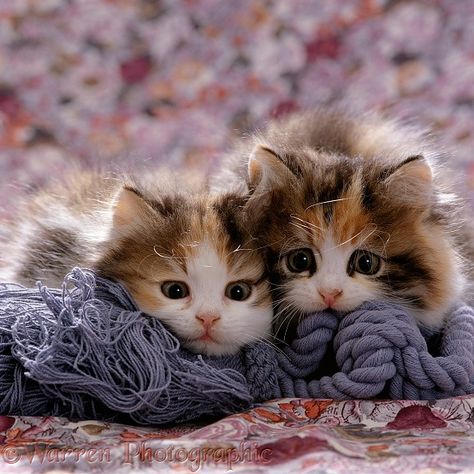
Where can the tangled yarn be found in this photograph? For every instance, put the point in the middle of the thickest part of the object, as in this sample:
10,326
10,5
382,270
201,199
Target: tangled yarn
86,351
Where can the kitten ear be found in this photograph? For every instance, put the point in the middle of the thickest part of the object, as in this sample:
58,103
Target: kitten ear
268,176
130,208
411,181
266,170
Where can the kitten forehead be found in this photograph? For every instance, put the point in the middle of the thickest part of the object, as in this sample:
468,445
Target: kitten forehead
207,275
204,260
212,257
192,236
215,237
344,216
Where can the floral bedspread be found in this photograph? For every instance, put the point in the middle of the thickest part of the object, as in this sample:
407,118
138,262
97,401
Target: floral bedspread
281,436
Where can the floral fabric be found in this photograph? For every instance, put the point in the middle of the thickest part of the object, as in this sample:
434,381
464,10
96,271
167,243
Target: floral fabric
288,435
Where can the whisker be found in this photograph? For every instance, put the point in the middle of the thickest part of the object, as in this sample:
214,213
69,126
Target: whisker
293,314
267,342
300,226
349,239
143,260
281,315
289,311
328,202
168,257
310,224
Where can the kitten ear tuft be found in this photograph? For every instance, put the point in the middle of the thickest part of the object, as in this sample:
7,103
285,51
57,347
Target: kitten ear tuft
129,208
268,176
414,168
411,181
266,169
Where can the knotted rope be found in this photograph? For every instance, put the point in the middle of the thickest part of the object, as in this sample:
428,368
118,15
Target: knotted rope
379,348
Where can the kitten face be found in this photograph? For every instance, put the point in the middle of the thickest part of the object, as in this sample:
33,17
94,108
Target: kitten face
188,262
342,231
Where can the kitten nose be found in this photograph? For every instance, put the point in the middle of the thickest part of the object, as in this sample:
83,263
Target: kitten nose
330,296
207,319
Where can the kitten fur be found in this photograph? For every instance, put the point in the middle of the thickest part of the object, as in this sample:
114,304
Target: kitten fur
335,182
145,232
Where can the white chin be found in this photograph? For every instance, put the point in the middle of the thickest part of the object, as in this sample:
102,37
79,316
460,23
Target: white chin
211,348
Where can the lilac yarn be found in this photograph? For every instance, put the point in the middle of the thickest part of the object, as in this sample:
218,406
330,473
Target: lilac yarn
86,351
380,351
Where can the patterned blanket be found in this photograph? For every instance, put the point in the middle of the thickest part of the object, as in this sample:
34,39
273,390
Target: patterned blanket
287,435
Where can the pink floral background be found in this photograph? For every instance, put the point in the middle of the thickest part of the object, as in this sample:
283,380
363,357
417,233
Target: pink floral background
127,83
132,83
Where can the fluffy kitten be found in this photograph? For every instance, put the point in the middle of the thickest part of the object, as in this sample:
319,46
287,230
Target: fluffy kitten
185,256
352,209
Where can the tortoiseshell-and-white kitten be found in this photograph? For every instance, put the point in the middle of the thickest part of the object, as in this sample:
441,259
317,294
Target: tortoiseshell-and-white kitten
185,256
353,208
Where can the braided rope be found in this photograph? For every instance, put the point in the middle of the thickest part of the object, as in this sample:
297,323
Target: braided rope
379,348
313,336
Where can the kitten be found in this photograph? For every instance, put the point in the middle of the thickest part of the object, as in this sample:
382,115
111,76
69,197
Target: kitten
184,255
354,209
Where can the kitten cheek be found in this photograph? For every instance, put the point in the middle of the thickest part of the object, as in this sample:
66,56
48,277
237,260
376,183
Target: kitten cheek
247,325
151,300
182,326
147,302
261,298
304,299
161,309
356,294
368,286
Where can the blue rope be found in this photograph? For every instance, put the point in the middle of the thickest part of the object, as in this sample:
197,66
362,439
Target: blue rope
380,348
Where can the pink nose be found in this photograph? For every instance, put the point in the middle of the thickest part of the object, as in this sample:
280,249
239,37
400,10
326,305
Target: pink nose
330,296
207,319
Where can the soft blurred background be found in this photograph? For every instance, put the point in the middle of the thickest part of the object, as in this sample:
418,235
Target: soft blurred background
136,82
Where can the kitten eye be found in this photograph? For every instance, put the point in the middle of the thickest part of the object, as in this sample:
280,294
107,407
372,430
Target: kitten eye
364,262
238,291
300,260
175,290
